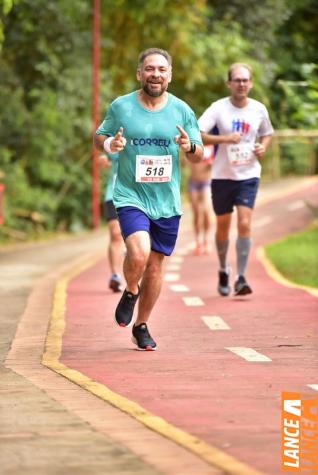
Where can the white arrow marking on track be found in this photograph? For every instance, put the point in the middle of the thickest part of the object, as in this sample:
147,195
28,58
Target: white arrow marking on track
215,323
248,353
193,301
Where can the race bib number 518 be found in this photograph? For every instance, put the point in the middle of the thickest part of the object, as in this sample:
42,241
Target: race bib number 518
153,168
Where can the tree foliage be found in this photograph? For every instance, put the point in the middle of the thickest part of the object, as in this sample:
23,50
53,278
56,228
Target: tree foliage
45,63
5,7
295,89
45,126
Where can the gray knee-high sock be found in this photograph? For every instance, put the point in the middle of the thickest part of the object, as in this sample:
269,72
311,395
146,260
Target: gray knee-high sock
222,248
243,246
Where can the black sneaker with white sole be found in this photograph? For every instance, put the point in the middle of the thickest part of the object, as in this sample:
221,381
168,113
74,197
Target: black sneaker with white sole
223,286
142,338
125,308
241,287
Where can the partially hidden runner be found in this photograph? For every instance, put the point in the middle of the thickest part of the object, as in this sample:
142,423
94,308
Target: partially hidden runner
115,249
199,189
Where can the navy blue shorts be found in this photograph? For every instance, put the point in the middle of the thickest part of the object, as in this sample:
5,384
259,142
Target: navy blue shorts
163,231
110,210
229,193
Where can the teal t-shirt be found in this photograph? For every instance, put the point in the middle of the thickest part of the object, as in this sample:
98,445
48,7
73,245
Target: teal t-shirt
149,134
111,178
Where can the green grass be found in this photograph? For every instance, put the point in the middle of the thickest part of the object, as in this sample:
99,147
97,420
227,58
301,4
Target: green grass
296,256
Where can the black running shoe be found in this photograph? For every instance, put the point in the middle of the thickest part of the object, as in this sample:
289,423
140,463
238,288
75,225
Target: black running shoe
142,338
115,283
223,287
241,287
125,308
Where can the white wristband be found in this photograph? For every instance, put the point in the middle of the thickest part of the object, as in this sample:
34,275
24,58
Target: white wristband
107,144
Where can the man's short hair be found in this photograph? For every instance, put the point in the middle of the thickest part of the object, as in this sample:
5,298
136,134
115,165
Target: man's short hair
238,65
147,52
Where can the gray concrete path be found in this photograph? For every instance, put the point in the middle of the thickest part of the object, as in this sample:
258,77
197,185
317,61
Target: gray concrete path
37,434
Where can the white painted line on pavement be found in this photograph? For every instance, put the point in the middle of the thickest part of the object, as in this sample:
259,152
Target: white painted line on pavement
215,323
173,267
179,288
176,259
296,205
193,301
190,246
258,223
313,386
248,353
171,277
182,251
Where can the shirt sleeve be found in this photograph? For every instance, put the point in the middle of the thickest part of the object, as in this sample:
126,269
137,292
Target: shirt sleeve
192,128
208,119
108,126
266,127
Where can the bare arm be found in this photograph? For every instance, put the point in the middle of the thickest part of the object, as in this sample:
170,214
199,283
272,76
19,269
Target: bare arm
99,141
209,139
116,143
183,141
196,156
262,145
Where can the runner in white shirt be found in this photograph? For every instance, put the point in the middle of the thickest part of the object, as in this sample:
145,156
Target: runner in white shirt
244,133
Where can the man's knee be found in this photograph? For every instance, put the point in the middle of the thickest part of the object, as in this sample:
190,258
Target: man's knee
154,264
244,226
116,236
138,257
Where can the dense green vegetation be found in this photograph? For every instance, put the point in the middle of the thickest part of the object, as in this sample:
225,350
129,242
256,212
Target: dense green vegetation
296,256
45,84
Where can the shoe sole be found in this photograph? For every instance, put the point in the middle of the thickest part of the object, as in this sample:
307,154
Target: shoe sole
123,325
148,348
245,290
224,293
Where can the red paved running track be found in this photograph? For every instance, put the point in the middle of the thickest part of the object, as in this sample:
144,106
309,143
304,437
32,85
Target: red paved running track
193,381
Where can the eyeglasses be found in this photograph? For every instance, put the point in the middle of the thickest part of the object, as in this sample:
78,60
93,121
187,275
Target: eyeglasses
239,81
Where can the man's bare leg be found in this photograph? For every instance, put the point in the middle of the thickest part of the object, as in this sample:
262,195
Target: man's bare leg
115,254
223,225
150,287
138,251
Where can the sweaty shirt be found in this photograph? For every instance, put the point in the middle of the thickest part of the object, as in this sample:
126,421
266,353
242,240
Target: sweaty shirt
236,162
148,174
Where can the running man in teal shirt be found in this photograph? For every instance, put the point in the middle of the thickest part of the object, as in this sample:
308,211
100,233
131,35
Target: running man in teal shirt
147,128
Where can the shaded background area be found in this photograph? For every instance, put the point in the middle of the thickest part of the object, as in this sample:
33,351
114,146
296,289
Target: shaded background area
46,88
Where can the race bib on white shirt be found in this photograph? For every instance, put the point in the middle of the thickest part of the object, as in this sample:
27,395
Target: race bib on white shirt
240,154
153,168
